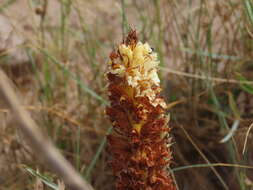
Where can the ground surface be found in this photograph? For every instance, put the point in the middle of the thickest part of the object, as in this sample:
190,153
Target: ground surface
56,54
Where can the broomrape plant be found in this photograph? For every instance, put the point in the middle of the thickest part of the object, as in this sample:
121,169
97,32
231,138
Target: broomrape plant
139,144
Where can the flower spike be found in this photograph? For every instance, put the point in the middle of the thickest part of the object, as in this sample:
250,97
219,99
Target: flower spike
139,144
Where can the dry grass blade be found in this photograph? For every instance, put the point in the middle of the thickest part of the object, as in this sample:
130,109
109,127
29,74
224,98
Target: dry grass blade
246,139
202,77
38,185
57,113
205,158
61,185
39,143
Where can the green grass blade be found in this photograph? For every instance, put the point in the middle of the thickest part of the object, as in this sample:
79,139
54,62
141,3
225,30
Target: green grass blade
77,151
95,158
74,77
246,87
6,4
249,10
210,165
125,26
43,178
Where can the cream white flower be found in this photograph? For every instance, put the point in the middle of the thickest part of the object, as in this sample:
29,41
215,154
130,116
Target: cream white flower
138,65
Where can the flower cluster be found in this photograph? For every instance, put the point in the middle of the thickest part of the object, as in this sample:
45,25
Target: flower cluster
139,144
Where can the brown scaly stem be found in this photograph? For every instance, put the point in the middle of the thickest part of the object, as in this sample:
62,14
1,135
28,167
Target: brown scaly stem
139,144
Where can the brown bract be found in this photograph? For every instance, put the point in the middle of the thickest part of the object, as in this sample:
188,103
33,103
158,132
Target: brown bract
139,144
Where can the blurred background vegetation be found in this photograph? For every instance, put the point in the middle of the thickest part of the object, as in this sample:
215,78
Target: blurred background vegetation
56,51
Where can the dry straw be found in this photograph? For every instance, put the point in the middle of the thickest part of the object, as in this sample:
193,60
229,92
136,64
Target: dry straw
139,144
40,144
